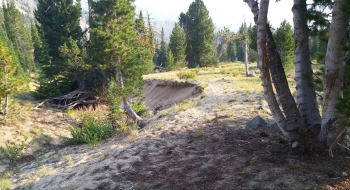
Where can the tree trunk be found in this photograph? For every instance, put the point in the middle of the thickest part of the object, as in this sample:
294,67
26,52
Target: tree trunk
263,47
306,95
126,104
265,74
246,54
7,95
279,79
333,80
6,104
346,63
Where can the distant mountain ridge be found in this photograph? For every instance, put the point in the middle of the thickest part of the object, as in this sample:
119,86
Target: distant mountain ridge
26,7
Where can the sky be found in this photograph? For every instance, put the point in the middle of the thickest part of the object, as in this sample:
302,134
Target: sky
229,13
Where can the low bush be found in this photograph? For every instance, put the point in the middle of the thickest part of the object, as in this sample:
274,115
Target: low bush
13,152
91,131
140,108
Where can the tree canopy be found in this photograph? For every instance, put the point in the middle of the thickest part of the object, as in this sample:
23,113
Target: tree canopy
199,29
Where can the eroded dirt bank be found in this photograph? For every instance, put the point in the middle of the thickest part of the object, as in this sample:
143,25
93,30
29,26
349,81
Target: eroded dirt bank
162,94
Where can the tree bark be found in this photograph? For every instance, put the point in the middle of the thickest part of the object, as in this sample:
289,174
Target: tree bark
132,114
346,63
279,79
246,54
333,81
306,94
6,104
265,74
260,18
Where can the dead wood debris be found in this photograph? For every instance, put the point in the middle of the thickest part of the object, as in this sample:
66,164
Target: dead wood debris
73,100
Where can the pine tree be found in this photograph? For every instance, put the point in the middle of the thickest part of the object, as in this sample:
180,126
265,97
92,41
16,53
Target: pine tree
12,82
314,47
113,44
58,20
140,27
162,52
170,61
36,41
150,36
231,51
285,45
20,36
199,29
177,44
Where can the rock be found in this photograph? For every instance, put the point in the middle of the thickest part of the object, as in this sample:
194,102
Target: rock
252,74
344,174
255,123
295,144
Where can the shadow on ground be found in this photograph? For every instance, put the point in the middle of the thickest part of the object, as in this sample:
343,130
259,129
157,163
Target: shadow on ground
212,156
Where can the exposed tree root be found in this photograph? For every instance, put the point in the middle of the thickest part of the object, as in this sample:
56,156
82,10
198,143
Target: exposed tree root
74,100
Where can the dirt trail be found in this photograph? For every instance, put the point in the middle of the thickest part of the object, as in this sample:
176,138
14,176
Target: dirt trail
204,147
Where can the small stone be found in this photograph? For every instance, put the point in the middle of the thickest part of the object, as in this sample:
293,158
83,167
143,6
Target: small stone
255,123
344,174
295,144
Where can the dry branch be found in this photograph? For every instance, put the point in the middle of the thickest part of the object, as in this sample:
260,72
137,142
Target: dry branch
73,100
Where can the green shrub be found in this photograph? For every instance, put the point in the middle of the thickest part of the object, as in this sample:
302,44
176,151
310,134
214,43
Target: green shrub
139,108
223,71
186,75
13,152
92,131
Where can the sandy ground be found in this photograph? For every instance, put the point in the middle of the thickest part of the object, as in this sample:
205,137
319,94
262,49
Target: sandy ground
204,147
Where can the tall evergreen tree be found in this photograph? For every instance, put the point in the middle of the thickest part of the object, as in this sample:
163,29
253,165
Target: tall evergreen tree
177,44
113,43
231,51
227,45
140,27
285,44
199,29
20,36
12,82
162,51
151,35
36,40
58,21
170,61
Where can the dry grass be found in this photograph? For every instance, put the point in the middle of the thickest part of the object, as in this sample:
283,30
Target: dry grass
185,105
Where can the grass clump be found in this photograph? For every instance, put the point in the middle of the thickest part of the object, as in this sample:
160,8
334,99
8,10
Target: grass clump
5,184
185,105
68,159
13,152
45,171
160,127
224,107
230,71
35,131
91,131
203,84
186,75
139,108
